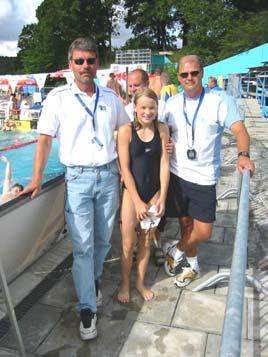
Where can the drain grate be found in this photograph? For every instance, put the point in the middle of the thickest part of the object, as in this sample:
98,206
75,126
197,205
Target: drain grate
37,293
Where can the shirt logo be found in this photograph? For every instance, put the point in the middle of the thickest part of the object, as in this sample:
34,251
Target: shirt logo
147,149
102,107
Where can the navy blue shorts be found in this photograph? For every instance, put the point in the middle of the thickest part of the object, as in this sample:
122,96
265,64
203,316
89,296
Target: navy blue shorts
185,198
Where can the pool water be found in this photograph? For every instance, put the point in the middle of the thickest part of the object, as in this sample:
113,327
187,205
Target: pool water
21,158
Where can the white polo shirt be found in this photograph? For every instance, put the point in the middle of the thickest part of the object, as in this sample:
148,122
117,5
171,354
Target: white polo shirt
64,117
215,113
130,110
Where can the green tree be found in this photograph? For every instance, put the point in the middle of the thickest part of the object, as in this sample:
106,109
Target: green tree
156,22
59,23
140,41
207,23
250,31
250,5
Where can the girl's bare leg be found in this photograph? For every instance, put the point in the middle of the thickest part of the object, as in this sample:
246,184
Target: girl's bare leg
142,264
129,239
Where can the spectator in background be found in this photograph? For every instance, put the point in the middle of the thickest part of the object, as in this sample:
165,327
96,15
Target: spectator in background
113,84
9,192
213,84
155,81
14,106
168,88
137,79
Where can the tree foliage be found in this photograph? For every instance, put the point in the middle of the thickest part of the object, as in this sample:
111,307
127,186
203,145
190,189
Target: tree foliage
221,28
157,21
250,5
250,30
207,21
214,29
59,23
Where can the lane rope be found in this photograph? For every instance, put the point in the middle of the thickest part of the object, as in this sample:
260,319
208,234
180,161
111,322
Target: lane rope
18,145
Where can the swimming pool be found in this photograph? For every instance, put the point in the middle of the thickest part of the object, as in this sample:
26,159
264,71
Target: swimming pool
21,158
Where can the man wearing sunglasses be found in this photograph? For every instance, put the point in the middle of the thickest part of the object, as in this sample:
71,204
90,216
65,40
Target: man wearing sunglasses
83,117
198,117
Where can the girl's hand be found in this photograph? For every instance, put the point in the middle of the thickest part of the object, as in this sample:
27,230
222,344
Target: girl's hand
160,207
141,210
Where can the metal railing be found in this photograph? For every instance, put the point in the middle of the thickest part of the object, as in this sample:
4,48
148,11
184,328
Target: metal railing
262,91
232,329
256,85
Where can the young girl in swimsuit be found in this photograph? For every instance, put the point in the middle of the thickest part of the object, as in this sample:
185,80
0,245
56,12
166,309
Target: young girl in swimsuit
144,164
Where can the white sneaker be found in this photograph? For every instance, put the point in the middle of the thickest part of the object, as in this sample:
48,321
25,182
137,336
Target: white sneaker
99,299
173,267
88,329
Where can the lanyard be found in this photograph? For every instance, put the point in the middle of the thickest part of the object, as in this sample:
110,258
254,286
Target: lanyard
195,114
87,109
95,139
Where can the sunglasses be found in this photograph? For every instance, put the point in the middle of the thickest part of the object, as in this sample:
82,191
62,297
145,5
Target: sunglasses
186,74
80,61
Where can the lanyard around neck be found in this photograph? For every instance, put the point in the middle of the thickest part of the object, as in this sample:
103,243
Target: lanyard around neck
195,113
87,109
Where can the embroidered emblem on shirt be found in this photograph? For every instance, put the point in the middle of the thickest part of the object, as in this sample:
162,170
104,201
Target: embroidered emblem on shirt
102,107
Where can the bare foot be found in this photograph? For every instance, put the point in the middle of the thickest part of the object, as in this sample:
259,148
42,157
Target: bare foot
147,294
123,295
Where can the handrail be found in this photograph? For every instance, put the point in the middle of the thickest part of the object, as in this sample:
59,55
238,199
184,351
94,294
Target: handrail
232,329
260,83
262,78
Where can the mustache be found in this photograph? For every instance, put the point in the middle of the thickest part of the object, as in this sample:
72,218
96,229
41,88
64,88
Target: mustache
86,71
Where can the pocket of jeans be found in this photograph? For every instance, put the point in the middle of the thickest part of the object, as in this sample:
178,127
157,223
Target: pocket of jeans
114,168
72,174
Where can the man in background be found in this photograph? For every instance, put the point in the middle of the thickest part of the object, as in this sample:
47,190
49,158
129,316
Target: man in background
168,88
213,84
113,84
137,79
155,81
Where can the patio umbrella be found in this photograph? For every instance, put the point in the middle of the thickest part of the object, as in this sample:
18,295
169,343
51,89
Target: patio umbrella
4,81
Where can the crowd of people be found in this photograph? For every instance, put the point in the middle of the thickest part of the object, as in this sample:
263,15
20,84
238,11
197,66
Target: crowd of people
166,156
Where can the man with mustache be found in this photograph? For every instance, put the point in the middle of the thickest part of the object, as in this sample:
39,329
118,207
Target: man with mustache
83,117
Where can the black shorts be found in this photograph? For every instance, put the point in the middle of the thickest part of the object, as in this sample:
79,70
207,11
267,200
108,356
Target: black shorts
185,198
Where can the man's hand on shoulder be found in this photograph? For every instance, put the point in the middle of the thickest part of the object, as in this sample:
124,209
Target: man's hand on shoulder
170,146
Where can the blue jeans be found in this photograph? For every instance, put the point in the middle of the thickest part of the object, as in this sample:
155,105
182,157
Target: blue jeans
91,204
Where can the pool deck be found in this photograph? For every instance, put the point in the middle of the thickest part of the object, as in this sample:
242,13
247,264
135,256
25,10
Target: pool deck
178,322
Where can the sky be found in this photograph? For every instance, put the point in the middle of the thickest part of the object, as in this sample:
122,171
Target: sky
14,14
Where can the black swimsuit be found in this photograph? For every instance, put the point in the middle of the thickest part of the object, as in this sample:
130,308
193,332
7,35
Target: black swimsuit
145,164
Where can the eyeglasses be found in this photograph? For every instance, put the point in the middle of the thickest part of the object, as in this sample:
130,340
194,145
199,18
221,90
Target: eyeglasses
80,61
186,74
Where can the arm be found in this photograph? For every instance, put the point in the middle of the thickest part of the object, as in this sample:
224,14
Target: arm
164,169
243,141
40,159
123,141
8,177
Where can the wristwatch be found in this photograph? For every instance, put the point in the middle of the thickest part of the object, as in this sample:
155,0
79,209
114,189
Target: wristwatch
243,153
